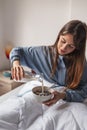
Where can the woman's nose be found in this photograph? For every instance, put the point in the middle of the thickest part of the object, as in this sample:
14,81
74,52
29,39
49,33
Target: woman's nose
64,47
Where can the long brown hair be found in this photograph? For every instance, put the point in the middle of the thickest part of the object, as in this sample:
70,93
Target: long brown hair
76,59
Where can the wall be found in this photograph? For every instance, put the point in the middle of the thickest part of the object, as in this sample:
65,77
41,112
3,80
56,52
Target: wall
3,61
79,10
34,22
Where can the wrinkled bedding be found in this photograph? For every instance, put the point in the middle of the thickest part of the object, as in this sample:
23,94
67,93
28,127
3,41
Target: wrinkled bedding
25,113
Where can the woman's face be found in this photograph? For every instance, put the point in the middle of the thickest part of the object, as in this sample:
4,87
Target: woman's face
65,44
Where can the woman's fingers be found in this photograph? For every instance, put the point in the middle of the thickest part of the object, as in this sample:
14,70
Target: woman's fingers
54,99
50,102
17,72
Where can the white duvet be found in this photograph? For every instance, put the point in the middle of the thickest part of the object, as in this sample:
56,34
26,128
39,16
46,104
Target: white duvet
25,113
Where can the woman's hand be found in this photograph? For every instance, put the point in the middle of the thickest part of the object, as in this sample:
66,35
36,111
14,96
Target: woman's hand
17,71
57,96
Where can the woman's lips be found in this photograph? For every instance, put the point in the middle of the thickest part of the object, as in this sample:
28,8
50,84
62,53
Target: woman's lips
62,51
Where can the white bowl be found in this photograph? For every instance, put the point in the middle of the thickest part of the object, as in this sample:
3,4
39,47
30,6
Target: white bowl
37,93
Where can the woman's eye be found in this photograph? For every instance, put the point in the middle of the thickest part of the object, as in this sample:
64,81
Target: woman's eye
71,46
63,41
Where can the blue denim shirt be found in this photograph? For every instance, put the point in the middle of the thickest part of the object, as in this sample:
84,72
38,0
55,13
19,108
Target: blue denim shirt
40,61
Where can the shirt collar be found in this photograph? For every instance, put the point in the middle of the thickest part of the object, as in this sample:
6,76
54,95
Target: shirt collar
61,62
60,57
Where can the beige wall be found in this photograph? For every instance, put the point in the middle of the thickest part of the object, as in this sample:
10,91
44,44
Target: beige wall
3,60
34,21
79,10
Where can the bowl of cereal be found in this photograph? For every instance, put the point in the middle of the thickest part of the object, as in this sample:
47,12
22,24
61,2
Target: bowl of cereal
42,94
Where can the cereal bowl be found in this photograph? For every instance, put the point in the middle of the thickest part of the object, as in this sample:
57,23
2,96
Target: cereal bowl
42,97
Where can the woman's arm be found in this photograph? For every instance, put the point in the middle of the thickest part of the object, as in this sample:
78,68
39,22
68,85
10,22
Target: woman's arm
69,95
72,95
35,58
18,59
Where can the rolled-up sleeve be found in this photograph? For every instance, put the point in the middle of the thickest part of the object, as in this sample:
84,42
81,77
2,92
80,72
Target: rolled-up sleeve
15,54
76,95
23,54
80,93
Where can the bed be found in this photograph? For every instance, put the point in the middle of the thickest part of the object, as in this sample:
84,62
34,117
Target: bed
20,111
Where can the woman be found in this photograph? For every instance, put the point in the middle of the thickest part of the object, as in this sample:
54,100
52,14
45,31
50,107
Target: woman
63,63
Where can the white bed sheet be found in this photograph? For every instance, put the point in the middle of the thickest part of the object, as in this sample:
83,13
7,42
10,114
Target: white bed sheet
25,113
10,94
